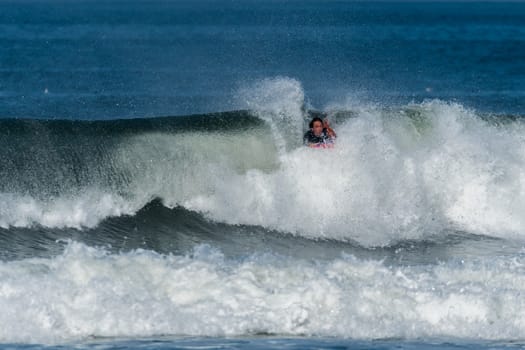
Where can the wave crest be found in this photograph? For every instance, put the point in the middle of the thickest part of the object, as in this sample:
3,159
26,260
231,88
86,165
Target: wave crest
396,173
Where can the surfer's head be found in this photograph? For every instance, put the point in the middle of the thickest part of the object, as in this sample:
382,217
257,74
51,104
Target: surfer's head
316,125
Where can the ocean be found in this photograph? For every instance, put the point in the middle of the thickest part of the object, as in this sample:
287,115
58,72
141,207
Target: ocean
155,192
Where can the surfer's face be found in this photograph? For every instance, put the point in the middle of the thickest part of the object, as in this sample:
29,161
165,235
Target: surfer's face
317,128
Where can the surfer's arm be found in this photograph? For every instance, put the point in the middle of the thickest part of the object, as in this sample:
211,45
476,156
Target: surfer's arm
331,132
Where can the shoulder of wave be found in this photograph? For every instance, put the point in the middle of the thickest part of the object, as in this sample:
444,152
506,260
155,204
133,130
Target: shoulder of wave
237,119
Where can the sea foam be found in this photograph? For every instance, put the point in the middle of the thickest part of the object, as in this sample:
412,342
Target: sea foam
88,292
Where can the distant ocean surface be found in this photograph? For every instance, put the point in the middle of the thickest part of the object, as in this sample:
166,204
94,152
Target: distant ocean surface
155,193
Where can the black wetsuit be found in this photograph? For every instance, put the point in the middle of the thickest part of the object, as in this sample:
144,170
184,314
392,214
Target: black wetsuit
310,138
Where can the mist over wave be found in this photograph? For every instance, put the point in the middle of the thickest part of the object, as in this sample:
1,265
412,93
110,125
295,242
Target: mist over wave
397,173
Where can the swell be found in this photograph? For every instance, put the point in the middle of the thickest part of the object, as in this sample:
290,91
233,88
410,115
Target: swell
48,158
45,158
397,174
164,230
178,231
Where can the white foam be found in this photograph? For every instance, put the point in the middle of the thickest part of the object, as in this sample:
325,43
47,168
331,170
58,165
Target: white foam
85,209
395,174
391,177
89,292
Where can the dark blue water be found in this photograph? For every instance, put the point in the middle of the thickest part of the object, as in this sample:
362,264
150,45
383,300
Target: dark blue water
269,343
203,223
119,59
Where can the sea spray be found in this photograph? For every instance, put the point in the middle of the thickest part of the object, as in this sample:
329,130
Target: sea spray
280,102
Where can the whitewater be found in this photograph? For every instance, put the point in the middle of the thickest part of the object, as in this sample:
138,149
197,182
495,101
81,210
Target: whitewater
155,192
409,172
224,225
88,292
